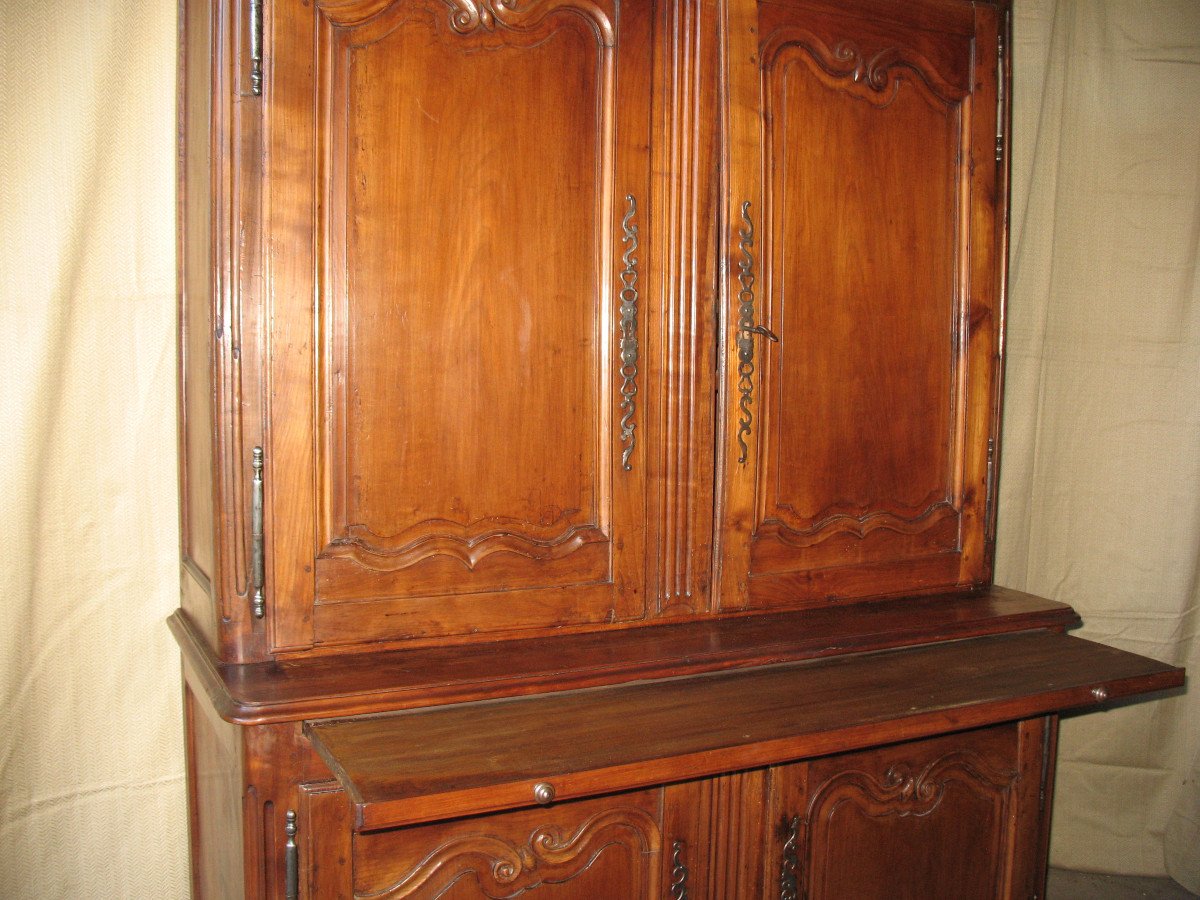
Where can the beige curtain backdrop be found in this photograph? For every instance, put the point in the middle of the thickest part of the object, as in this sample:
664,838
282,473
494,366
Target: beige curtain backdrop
1100,493
1100,482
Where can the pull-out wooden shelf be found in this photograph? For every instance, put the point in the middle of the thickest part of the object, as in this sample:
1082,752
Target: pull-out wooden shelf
470,758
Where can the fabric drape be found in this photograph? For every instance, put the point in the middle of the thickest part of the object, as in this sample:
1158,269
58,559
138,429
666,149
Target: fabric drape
1100,489
1100,485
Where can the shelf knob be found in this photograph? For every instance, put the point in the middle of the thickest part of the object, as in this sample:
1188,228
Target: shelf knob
543,792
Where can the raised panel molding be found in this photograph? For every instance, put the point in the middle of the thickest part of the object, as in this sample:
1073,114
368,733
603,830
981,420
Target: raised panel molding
350,27
503,868
810,861
868,63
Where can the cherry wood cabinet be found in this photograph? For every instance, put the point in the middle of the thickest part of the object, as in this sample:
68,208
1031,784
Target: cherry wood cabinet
589,438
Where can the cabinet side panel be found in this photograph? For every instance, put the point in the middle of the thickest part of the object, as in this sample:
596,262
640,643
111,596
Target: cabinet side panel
196,299
214,800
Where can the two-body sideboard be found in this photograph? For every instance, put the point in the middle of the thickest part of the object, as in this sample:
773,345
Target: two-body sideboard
589,430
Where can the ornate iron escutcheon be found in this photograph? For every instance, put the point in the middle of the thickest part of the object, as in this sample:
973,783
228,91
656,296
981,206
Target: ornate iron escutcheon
788,886
746,332
745,339
629,327
679,872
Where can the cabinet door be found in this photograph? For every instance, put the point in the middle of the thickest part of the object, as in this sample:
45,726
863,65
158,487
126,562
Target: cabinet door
454,287
951,818
587,849
863,231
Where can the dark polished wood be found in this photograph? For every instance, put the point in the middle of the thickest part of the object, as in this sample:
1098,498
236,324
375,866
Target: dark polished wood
483,756
374,682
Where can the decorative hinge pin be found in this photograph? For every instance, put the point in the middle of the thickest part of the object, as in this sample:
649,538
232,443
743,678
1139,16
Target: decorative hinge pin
257,569
291,855
1001,99
256,54
989,512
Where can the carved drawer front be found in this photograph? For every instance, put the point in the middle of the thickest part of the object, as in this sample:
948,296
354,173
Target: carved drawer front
608,847
944,818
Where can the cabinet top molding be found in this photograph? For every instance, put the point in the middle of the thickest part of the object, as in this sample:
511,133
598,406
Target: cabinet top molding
355,684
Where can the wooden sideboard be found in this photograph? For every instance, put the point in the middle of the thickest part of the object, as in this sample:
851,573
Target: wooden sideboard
589,423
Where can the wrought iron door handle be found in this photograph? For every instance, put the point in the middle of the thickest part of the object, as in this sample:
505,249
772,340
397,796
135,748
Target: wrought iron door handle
765,332
746,331
789,887
679,871
628,346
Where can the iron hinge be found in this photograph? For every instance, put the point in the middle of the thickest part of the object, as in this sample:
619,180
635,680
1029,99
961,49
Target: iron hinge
989,512
1001,96
1047,727
291,854
257,567
256,40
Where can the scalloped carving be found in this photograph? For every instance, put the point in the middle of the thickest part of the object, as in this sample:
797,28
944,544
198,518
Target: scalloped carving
856,526
469,544
468,16
876,76
504,869
903,792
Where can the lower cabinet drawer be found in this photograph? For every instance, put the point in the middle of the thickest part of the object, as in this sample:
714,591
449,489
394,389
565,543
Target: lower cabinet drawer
587,849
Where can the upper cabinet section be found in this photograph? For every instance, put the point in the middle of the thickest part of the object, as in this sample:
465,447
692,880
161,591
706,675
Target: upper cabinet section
457,218
555,315
863,301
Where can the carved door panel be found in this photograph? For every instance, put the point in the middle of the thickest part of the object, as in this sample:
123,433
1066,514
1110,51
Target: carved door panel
863,309
609,847
457,204
955,818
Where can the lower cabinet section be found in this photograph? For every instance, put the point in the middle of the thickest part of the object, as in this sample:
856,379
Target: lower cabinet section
955,817
918,772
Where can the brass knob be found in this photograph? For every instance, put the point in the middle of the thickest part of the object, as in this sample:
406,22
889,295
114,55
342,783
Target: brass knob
1100,693
543,792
